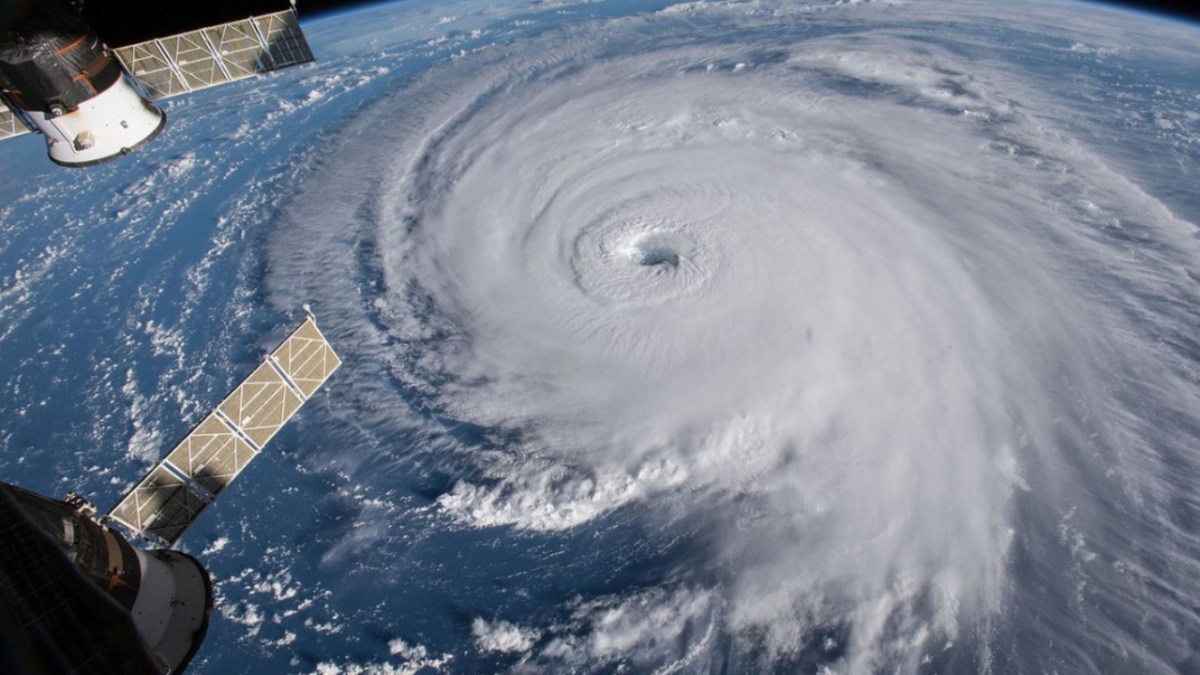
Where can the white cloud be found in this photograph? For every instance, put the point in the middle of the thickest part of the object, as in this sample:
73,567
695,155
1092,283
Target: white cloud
502,636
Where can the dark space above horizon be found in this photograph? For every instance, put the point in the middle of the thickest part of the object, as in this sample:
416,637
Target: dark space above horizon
122,22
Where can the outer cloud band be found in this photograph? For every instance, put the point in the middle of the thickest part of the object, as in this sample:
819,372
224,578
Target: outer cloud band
842,298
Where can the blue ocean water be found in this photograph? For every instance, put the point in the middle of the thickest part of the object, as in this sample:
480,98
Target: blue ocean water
918,395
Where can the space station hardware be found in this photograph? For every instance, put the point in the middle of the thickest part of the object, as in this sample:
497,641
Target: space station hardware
204,58
174,493
59,79
93,104
79,597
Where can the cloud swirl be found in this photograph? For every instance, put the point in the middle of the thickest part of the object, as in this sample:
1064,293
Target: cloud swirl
853,302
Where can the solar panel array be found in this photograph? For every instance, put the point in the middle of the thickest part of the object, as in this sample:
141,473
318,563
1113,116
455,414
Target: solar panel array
9,124
215,55
170,498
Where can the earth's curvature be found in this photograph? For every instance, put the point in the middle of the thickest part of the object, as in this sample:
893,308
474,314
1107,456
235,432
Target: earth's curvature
680,337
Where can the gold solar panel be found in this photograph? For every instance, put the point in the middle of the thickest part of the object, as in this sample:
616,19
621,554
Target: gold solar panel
203,464
150,65
182,63
261,404
161,506
285,41
9,124
306,358
212,455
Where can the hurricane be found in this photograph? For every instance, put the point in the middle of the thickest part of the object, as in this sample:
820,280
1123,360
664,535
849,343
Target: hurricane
754,337
838,308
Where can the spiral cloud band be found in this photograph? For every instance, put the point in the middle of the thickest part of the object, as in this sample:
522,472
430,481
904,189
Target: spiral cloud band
847,309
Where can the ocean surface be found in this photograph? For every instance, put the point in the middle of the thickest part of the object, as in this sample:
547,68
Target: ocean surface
838,337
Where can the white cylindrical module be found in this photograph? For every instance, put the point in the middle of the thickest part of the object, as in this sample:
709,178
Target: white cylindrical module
104,127
57,74
172,607
77,597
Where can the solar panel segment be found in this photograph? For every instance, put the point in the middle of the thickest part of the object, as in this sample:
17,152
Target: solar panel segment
172,495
